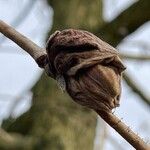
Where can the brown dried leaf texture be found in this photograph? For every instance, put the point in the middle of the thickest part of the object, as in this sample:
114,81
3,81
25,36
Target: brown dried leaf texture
90,67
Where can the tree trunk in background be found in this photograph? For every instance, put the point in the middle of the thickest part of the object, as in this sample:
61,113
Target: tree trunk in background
54,118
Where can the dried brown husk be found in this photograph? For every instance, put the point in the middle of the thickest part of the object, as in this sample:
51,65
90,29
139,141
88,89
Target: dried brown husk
91,68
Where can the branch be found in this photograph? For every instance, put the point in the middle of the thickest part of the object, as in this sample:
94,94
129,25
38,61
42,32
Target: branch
134,57
124,130
136,89
36,52
143,45
126,23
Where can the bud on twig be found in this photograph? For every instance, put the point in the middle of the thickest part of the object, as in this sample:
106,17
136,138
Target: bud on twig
91,68
92,72
88,68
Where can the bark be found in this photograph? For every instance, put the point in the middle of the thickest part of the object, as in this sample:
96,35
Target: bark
36,52
126,23
124,130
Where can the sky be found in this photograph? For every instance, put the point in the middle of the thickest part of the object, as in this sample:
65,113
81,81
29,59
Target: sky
19,72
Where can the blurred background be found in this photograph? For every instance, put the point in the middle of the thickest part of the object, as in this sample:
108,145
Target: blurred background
34,113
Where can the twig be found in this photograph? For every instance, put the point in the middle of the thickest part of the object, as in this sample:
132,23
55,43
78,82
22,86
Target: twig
6,49
143,45
36,52
116,30
136,89
124,130
134,57
39,53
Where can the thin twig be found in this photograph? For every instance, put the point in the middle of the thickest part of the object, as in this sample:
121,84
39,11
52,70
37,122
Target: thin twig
136,89
6,49
143,45
134,57
36,52
124,130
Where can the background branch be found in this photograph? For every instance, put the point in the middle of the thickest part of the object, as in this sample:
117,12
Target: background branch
116,30
126,23
36,52
136,89
134,57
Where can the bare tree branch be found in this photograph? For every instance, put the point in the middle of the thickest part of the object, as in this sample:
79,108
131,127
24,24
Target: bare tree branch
12,50
124,130
143,45
135,57
126,23
136,89
36,52
116,30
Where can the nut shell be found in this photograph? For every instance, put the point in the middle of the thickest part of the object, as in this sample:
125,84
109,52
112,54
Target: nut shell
91,68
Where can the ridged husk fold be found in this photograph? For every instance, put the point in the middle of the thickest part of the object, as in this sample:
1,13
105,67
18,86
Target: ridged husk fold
90,67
